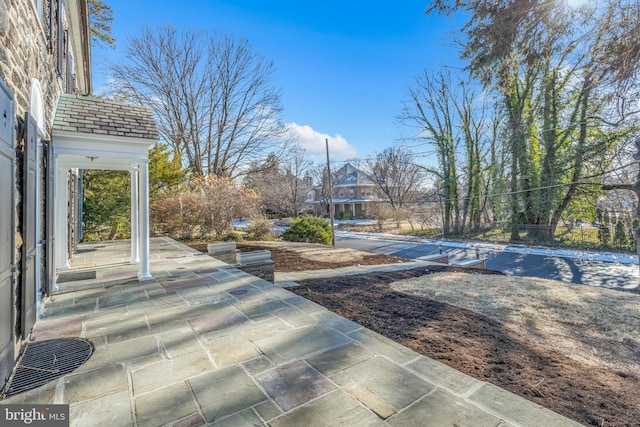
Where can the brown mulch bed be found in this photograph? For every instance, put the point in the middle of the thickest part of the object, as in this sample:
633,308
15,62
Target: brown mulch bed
468,341
288,261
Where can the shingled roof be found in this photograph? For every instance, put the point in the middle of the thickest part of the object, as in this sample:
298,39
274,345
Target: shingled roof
85,114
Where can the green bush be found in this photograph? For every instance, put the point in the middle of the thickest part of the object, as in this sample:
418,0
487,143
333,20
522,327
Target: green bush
310,229
260,229
232,237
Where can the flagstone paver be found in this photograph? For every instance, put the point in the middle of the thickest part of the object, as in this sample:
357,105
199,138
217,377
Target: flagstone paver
172,402
383,346
169,371
295,317
111,410
340,358
443,409
445,376
516,408
246,418
382,377
294,384
217,320
81,386
337,408
146,350
334,321
301,342
225,391
230,349
179,341
267,410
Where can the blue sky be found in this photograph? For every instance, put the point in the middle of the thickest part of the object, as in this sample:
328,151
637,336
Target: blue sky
343,66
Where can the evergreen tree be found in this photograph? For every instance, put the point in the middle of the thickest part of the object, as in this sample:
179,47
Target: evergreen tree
100,20
619,236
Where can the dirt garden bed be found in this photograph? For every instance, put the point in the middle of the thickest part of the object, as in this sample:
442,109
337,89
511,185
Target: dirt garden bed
573,349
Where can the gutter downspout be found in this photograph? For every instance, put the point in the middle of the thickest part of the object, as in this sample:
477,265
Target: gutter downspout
86,39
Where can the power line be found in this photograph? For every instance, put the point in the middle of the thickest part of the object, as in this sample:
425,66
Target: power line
546,187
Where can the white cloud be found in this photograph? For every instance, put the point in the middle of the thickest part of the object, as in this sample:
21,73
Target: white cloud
313,143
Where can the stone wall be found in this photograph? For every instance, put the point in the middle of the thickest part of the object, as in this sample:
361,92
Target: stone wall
257,263
25,55
263,270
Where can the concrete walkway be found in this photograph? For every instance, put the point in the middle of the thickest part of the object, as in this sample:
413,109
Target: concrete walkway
206,344
290,278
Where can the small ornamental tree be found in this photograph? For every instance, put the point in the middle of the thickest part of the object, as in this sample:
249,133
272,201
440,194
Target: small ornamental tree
308,228
204,209
604,235
632,239
619,235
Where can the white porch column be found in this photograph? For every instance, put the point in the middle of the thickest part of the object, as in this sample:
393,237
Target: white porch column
144,273
135,207
60,197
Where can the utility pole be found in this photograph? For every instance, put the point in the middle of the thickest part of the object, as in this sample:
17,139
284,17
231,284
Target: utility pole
331,207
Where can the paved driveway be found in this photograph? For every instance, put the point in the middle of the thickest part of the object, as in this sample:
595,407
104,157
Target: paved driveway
585,271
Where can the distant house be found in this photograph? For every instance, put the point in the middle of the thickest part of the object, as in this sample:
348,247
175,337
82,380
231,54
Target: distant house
51,129
355,195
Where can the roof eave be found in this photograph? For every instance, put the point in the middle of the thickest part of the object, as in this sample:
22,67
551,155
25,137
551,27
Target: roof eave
78,15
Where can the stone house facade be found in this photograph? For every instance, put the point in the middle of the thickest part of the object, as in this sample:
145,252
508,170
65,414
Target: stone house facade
50,130
44,51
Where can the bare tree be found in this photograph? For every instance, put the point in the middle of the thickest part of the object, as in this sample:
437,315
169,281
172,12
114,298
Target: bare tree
280,182
447,116
295,168
397,176
212,95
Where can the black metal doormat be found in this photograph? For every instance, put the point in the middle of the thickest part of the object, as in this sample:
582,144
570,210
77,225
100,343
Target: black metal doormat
44,361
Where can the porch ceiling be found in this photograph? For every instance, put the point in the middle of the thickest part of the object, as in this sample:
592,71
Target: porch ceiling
92,133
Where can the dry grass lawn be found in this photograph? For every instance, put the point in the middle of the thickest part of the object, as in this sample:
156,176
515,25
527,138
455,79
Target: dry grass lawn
597,326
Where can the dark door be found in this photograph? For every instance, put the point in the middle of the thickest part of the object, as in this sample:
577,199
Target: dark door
7,243
48,223
29,232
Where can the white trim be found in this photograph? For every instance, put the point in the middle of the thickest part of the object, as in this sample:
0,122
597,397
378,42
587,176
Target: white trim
71,136
36,111
60,226
135,210
143,177
38,9
36,106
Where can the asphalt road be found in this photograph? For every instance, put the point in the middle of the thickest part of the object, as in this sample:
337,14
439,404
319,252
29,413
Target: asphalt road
579,271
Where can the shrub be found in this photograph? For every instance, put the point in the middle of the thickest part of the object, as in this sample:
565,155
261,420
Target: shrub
205,208
260,229
232,236
310,229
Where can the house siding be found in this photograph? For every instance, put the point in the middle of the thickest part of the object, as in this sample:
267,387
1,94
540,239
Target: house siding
25,56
